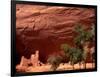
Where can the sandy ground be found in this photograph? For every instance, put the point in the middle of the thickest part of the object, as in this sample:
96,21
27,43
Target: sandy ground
64,66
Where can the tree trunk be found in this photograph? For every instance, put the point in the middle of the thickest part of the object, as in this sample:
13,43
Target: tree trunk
53,67
79,65
84,65
93,61
73,66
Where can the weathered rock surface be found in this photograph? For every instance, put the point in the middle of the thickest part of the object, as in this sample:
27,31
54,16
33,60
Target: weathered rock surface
44,28
26,63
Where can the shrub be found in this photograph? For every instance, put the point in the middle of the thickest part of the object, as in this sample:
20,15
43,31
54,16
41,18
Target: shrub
54,61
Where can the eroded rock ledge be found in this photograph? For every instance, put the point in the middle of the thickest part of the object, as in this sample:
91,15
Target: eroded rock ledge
44,28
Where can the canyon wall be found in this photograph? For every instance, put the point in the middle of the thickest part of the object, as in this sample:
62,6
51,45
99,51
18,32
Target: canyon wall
45,28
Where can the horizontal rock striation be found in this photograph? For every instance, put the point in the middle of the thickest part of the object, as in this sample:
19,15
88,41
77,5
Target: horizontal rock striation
45,28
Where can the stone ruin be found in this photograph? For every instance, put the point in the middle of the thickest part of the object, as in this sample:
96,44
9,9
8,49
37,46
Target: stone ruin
34,64
26,63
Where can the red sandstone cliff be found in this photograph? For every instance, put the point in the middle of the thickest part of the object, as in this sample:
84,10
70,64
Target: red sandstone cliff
44,28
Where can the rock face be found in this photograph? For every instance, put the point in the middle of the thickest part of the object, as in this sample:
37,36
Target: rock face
45,28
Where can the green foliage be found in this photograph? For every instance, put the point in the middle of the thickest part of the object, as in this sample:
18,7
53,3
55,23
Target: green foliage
78,41
83,35
54,61
93,30
78,28
64,47
75,55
